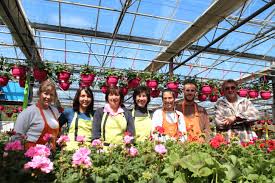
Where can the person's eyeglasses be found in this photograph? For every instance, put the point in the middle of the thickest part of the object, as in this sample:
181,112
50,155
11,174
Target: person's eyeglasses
190,90
230,88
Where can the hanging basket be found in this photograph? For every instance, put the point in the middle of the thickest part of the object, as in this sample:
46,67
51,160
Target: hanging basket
64,76
64,85
206,90
253,93
82,84
265,95
104,89
2,108
213,98
202,97
87,78
133,83
9,115
22,82
172,85
243,92
40,75
18,71
20,109
154,93
152,84
112,80
4,81
124,90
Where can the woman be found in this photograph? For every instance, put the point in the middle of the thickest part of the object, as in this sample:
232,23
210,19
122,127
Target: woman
79,118
171,120
140,113
40,119
111,121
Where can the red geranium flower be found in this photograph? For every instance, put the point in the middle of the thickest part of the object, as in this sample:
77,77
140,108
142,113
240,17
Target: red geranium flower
160,130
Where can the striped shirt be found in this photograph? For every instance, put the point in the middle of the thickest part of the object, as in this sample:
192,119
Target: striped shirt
242,108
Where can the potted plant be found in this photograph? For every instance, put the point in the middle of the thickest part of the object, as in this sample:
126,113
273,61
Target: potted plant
206,87
153,79
202,97
41,70
22,82
19,70
123,86
214,96
254,90
103,86
9,111
243,91
112,77
63,72
87,74
154,92
2,108
4,78
173,82
133,79
265,92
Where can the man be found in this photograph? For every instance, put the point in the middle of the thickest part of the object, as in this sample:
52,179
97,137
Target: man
195,116
169,119
233,114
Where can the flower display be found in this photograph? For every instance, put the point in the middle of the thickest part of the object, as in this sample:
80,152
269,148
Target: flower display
14,146
128,139
80,138
81,158
133,151
96,143
160,149
41,163
47,137
217,141
63,139
38,150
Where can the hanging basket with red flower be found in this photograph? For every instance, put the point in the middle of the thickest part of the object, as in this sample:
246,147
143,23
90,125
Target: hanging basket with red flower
18,70
87,75
133,78
4,78
63,72
123,86
41,71
265,90
172,82
153,79
112,76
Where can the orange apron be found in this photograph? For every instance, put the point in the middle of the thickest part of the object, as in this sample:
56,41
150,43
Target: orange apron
47,129
193,124
170,129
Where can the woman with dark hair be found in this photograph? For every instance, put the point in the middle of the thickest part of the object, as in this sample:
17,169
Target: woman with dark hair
140,113
111,121
79,118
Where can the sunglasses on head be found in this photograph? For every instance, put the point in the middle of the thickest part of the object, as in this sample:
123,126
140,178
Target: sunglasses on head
230,88
188,90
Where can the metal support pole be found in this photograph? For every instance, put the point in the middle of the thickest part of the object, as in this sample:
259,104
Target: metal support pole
171,66
273,91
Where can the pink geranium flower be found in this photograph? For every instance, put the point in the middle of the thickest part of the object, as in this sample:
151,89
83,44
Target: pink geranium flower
127,139
133,151
38,150
80,139
96,143
63,139
41,163
81,158
14,146
160,149
47,137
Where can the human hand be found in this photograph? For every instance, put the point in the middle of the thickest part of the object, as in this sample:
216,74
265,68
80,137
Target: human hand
229,120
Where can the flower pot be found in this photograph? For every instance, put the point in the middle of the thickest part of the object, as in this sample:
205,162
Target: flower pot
2,108
154,93
82,84
18,71
104,89
22,82
172,85
63,76
133,83
9,114
64,85
112,80
265,95
4,81
87,78
124,90
152,84
206,90
253,93
40,75
213,98
242,92
202,97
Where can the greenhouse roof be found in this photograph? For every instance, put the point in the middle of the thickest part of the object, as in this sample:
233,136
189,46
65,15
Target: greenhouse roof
209,39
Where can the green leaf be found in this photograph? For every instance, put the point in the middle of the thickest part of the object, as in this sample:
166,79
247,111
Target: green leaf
232,172
205,171
252,177
233,159
169,171
180,178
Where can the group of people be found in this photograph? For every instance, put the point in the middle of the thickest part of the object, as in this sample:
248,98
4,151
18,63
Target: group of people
185,121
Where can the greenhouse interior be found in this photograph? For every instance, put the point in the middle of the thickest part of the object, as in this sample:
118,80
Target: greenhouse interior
125,44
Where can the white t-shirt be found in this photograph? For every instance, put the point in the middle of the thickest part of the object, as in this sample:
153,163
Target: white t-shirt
30,122
171,117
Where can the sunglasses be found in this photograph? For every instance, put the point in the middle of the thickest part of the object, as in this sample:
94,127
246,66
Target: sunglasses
230,88
190,90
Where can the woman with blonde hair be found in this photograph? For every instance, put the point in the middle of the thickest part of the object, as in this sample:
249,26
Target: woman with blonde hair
38,123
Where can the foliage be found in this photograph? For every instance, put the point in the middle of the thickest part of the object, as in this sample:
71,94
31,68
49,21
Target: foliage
62,67
214,162
44,66
5,67
130,74
123,82
152,76
265,86
86,69
174,78
112,72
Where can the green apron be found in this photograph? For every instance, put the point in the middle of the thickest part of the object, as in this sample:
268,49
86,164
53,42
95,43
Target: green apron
113,128
143,126
84,129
